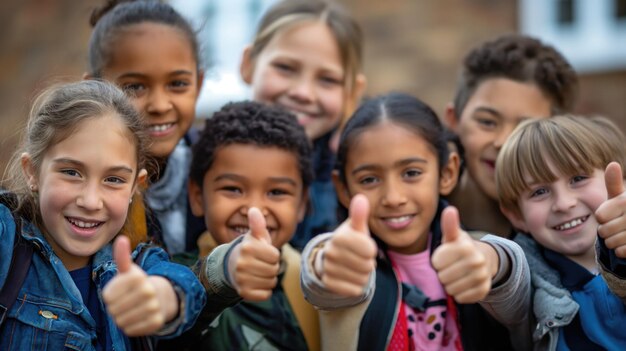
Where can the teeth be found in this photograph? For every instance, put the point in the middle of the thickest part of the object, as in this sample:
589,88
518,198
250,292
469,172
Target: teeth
160,127
398,219
241,230
82,224
570,224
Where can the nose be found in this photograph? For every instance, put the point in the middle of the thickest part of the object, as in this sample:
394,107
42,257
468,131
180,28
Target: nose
90,198
503,135
159,102
394,194
564,200
254,201
302,89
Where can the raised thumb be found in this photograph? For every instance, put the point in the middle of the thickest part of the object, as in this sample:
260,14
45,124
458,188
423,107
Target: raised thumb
613,180
450,224
258,227
359,212
121,254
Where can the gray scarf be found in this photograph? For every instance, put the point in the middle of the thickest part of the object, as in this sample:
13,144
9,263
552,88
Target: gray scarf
167,198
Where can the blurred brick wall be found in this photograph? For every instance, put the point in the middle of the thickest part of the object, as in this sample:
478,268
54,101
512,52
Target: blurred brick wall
417,46
42,41
412,46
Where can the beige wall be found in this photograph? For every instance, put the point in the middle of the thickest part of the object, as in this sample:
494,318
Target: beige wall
411,46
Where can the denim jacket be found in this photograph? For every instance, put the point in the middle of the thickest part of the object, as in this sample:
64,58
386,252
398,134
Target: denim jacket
49,313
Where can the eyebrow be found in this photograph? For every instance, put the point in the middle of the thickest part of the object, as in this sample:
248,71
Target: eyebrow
236,177
82,165
402,162
141,75
488,110
496,112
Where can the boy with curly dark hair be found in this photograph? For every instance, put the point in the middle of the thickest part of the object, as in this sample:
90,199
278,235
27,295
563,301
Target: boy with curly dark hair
503,81
249,178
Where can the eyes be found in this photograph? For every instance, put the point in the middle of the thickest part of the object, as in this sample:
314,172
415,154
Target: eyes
139,89
488,123
75,175
235,191
371,179
324,78
543,190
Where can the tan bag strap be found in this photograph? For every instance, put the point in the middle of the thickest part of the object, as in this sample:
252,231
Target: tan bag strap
306,315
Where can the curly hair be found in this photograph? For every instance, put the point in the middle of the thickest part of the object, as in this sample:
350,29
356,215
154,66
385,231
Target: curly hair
251,123
522,59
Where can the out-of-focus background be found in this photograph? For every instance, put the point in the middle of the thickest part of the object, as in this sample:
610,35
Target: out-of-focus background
410,45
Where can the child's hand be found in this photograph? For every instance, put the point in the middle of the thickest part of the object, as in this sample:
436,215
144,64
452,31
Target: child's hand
254,263
345,263
611,214
465,267
139,304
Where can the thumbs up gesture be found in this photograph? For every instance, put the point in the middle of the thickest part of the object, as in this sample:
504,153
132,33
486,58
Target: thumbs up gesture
465,267
139,304
345,263
254,263
611,214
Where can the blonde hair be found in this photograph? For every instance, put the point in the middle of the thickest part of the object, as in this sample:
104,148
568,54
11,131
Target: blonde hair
288,13
54,116
572,144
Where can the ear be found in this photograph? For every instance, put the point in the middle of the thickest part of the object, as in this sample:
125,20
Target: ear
516,219
246,69
29,170
303,205
200,81
342,191
196,198
450,174
141,180
450,118
354,97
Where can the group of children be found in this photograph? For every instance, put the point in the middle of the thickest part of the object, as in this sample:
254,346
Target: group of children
534,257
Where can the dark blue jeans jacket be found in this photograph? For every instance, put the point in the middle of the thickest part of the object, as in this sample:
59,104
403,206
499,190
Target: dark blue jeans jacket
49,313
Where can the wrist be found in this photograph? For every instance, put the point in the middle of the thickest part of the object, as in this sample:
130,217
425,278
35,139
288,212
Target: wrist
491,256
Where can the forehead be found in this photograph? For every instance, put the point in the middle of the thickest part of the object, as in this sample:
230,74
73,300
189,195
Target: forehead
510,98
255,162
151,46
99,140
388,142
312,41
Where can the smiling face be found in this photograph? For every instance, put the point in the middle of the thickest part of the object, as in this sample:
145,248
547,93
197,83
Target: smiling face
243,176
301,70
155,65
84,185
398,172
497,106
560,215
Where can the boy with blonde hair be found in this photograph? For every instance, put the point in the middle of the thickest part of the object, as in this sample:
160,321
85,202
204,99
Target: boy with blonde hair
553,187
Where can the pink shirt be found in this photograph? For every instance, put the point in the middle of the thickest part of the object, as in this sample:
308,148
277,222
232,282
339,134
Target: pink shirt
431,329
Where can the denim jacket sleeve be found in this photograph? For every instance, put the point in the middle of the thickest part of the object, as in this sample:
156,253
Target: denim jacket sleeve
7,237
187,286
